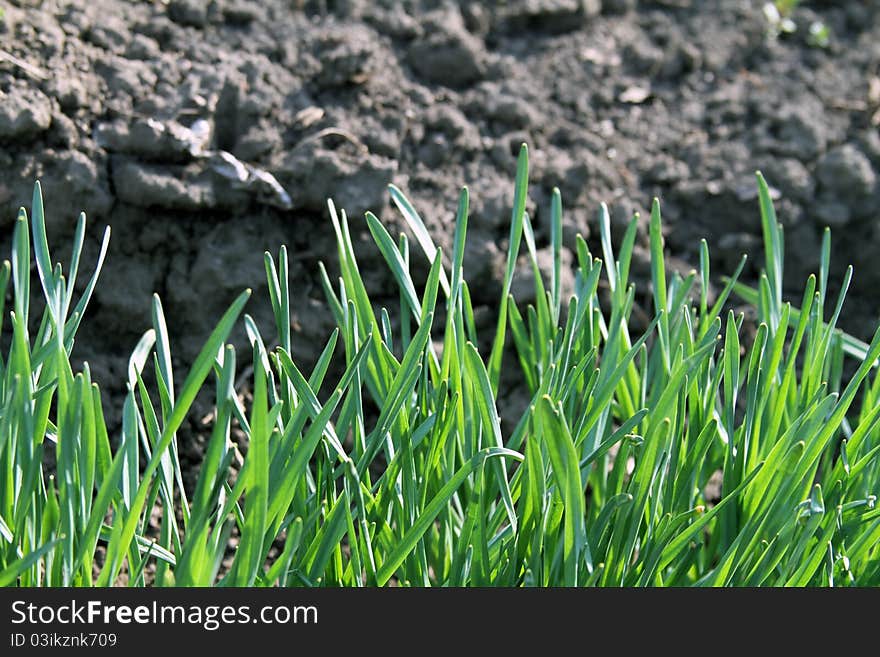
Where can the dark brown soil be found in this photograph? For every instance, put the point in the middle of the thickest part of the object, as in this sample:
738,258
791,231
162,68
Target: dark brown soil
207,132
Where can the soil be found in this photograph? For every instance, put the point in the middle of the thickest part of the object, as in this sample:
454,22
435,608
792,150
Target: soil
205,133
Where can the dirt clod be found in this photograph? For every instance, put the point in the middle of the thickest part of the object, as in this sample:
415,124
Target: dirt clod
208,132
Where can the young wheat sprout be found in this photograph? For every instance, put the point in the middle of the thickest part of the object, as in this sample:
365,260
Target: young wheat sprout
603,480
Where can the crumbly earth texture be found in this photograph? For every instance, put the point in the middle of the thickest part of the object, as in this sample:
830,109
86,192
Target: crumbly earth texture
207,132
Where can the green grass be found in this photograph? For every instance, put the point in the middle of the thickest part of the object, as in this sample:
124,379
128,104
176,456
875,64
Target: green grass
602,482
778,15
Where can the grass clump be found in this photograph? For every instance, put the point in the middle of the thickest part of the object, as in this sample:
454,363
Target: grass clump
602,482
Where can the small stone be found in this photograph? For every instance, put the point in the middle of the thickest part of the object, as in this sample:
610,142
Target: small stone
634,95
